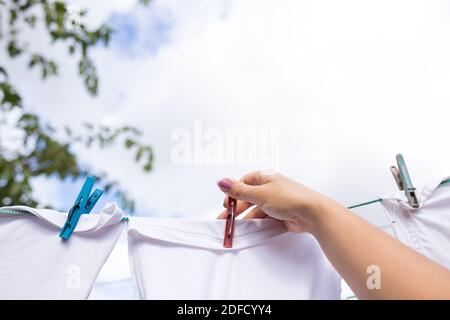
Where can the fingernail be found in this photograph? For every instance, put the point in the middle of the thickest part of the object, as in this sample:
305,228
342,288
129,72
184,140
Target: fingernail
225,184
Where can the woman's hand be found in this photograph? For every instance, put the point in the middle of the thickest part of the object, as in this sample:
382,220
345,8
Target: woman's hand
276,196
350,243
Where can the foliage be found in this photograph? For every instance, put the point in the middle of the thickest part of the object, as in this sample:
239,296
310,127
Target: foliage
45,151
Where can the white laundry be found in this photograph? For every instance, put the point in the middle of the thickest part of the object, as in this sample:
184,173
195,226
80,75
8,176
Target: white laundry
36,264
185,259
427,228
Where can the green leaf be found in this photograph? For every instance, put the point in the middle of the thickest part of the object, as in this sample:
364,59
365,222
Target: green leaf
48,67
44,151
31,20
148,167
88,72
139,154
3,72
13,49
9,96
12,16
129,143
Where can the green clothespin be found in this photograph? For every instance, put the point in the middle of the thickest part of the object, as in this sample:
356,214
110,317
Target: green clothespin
403,180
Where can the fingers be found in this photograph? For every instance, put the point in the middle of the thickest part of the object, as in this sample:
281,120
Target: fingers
253,179
225,202
257,178
256,213
240,190
294,226
222,215
247,191
241,206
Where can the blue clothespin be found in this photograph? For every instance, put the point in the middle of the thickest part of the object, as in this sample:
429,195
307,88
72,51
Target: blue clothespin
83,204
401,176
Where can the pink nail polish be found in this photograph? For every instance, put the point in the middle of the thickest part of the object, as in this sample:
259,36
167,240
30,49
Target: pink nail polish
225,184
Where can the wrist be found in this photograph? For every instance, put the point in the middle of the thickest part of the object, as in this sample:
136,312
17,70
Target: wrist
317,213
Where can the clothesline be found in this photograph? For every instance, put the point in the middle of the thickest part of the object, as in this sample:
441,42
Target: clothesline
18,212
445,183
181,274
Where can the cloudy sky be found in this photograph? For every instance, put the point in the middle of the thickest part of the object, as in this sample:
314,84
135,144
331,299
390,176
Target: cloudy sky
340,87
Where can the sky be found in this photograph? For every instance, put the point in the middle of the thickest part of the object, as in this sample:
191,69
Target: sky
326,92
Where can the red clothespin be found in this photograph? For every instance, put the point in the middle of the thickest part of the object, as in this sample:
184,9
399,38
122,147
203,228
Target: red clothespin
229,226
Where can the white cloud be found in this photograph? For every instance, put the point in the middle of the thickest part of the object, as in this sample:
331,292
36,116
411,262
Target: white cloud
348,84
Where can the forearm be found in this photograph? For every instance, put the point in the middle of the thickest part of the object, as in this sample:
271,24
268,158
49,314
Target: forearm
352,245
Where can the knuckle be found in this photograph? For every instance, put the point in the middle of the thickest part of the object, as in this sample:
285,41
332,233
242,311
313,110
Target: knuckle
238,192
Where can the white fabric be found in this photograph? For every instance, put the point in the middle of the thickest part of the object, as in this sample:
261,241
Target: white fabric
427,228
185,259
36,264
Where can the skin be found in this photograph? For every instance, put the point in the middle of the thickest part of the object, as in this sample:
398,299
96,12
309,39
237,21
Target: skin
350,243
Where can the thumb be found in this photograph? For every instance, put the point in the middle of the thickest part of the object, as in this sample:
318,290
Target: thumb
240,191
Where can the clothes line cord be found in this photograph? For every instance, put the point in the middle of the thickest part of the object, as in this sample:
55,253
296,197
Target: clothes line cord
445,183
20,212
364,203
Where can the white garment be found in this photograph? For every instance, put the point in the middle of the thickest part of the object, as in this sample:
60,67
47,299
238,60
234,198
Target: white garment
36,264
185,259
427,228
